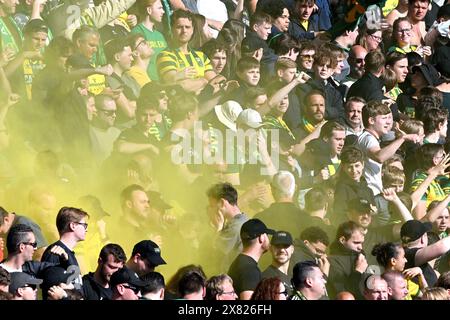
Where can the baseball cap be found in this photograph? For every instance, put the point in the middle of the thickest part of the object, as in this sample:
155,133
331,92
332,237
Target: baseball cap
228,112
413,229
360,205
250,118
254,228
22,279
125,275
157,201
53,276
149,251
93,206
282,238
430,74
251,44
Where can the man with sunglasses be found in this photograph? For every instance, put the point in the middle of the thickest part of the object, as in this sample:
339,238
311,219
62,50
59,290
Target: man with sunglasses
126,285
10,219
21,245
102,132
23,286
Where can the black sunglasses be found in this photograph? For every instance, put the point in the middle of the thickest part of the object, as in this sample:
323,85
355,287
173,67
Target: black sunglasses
32,286
136,290
33,244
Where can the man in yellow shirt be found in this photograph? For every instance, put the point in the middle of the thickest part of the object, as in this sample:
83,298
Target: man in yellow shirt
180,64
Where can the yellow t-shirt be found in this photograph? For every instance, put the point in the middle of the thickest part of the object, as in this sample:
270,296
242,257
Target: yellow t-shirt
139,75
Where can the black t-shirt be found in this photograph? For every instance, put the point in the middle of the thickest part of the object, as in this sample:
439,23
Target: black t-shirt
56,259
92,290
427,270
272,272
245,273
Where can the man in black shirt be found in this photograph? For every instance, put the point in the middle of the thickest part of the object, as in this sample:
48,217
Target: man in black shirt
281,248
96,284
72,228
244,270
417,251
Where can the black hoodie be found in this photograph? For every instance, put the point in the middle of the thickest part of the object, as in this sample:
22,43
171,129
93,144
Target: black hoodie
343,276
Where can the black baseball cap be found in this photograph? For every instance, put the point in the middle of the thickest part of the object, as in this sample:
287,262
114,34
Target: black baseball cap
360,205
281,238
149,251
157,201
125,275
413,229
254,228
22,279
54,276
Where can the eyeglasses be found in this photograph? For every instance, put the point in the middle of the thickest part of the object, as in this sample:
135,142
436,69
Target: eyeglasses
404,30
229,292
84,224
32,286
108,112
376,38
140,42
33,244
307,56
285,293
136,290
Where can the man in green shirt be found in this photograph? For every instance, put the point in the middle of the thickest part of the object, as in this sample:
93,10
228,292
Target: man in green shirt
154,12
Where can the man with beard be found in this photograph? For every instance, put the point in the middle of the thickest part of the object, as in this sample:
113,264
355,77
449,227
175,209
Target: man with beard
313,114
356,61
281,248
244,270
96,284
352,120
180,64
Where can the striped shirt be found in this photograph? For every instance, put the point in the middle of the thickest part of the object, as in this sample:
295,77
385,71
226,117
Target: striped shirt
175,60
434,190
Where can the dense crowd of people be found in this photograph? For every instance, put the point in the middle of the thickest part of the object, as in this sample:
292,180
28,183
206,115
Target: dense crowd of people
224,149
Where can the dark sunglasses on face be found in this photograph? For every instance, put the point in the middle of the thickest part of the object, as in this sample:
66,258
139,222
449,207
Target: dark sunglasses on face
33,244
32,286
136,290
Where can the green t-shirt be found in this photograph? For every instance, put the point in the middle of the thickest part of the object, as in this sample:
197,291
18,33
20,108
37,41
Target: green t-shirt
157,42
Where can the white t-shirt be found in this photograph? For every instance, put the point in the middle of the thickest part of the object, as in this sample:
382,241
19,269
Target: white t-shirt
10,270
372,169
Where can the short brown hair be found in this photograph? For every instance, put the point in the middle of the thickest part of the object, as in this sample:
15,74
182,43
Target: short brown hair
392,175
351,155
373,109
411,126
374,61
259,18
66,216
285,63
329,127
